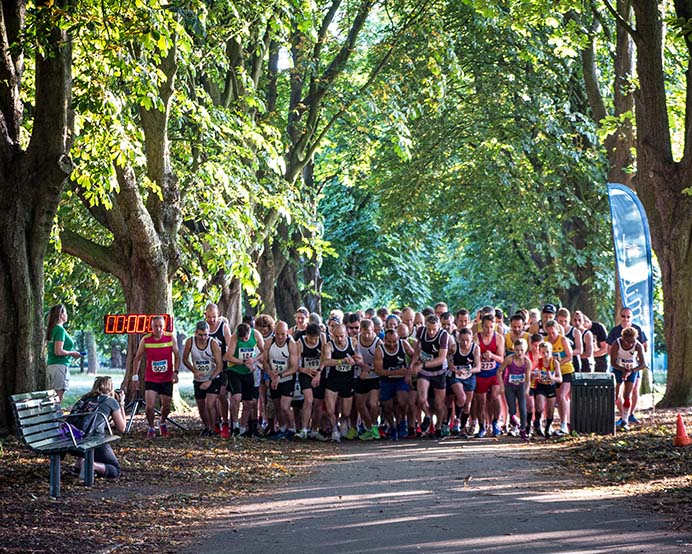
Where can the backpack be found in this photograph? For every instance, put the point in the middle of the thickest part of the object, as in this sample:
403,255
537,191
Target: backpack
86,416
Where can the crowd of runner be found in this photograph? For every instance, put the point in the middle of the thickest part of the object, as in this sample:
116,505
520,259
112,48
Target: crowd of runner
405,374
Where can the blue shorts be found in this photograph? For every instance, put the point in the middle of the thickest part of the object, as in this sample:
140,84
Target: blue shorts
388,389
469,383
631,378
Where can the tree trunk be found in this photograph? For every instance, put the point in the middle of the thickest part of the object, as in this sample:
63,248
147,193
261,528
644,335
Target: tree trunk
92,354
31,183
661,184
231,301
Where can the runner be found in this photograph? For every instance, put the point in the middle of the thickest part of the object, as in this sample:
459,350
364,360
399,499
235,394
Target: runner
586,361
626,359
487,397
430,363
202,356
562,352
465,365
309,353
516,374
367,385
220,330
339,359
245,354
573,336
545,377
280,362
390,364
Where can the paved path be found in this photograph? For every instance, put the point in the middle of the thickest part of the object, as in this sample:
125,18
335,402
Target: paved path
429,497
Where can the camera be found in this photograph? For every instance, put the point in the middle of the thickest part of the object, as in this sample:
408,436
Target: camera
118,393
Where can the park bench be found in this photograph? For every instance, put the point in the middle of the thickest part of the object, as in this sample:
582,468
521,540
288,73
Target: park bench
43,427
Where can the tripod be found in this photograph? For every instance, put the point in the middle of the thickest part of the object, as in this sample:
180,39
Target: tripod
134,406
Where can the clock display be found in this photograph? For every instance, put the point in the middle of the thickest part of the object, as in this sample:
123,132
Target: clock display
133,324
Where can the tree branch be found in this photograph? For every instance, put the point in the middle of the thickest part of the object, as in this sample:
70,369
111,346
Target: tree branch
96,255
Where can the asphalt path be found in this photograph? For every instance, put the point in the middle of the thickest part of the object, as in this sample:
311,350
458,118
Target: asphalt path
433,497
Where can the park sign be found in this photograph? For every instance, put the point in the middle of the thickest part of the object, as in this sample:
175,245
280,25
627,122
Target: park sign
133,324
632,244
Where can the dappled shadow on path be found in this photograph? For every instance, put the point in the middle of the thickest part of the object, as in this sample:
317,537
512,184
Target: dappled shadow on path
451,496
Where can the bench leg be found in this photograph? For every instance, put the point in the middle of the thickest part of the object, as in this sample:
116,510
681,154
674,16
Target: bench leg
89,467
55,475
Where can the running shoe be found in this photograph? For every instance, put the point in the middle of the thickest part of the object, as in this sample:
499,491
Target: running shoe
316,435
302,434
514,430
236,431
496,430
425,425
151,433
464,435
514,420
375,432
456,428
403,428
366,436
382,432
361,428
350,434
437,434
481,433
620,422
538,431
163,429
547,432
445,430
225,431
524,435
394,434
633,420
336,436
411,434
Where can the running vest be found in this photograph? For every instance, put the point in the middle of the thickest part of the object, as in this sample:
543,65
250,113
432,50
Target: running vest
311,355
542,373
221,339
515,375
509,342
393,362
569,335
488,367
245,349
368,354
627,358
559,354
279,358
203,359
463,363
159,358
430,348
343,371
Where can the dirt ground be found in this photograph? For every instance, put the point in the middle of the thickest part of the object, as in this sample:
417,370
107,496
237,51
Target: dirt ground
629,493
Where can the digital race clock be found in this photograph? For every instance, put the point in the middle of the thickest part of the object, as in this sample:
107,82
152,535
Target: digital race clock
133,324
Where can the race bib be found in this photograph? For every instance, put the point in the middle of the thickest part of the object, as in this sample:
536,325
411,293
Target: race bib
463,371
516,378
159,366
425,357
298,391
627,364
488,365
246,353
279,366
204,367
343,368
311,363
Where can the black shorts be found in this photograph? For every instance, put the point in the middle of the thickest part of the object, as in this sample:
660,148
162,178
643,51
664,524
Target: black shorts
565,379
364,386
283,389
544,390
343,388
164,389
241,383
318,391
214,388
436,381
305,381
601,364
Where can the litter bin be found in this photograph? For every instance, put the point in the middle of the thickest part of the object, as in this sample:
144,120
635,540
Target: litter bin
593,403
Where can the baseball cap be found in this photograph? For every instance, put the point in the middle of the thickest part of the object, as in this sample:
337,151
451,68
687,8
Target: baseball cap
549,309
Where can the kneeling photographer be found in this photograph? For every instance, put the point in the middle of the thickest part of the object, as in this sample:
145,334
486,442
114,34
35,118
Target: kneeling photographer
98,406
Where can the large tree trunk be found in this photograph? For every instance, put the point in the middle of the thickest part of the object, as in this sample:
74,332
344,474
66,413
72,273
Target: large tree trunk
661,184
231,301
31,183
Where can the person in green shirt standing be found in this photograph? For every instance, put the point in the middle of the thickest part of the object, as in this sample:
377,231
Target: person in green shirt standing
60,349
